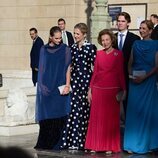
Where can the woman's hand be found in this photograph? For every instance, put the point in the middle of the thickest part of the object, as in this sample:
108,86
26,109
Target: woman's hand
89,95
66,90
139,79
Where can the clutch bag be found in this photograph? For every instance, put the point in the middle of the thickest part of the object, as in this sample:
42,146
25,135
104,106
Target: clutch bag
139,72
61,88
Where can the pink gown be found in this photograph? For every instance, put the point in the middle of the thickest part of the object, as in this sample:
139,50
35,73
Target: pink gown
104,124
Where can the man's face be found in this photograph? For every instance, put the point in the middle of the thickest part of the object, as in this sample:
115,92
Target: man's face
122,23
61,25
33,35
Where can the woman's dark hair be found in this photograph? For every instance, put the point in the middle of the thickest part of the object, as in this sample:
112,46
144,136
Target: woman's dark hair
53,30
107,32
148,23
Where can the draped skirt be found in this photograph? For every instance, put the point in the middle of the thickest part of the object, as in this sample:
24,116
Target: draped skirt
50,133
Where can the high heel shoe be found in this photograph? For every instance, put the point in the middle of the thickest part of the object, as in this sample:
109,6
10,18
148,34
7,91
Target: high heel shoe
92,152
129,152
108,152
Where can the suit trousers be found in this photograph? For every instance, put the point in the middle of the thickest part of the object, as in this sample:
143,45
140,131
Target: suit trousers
34,76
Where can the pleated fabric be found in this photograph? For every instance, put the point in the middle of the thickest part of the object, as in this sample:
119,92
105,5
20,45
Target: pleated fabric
107,80
104,130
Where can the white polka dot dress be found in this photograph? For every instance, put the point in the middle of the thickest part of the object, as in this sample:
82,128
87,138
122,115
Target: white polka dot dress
77,123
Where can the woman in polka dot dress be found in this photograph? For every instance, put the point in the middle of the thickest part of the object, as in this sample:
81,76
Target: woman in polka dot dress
83,56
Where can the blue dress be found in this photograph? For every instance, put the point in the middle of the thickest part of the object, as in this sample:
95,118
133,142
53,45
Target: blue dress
53,65
141,128
51,107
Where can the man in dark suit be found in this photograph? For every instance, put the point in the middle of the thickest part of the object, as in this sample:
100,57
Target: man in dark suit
35,53
125,40
154,19
67,37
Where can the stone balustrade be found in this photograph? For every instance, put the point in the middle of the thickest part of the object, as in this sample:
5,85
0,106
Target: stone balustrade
17,103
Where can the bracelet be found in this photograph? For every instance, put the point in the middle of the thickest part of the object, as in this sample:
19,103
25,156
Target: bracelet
67,86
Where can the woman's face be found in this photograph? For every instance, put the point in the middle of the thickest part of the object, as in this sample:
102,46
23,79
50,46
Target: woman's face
144,31
78,35
106,41
56,39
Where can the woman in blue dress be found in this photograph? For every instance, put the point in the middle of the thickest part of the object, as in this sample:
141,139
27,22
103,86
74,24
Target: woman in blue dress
83,56
141,128
52,107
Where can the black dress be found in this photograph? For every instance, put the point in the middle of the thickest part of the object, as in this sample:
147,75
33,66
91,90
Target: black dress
82,61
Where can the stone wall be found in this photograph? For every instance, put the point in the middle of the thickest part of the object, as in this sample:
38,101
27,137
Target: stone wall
17,16
17,103
17,98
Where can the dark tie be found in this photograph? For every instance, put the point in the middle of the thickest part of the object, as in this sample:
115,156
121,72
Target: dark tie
121,41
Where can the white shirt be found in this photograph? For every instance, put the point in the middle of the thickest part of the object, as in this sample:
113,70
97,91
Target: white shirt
155,25
123,38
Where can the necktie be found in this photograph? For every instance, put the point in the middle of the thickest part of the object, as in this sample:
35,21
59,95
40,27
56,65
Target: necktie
121,41
64,37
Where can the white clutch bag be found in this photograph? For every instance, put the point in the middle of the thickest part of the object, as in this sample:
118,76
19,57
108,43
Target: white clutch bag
139,73
61,88
131,76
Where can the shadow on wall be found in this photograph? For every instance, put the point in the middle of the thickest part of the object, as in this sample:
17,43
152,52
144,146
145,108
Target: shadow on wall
88,12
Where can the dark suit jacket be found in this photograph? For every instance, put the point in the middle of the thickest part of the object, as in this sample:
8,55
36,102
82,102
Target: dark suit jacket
154,34
70,38
35,52
127,47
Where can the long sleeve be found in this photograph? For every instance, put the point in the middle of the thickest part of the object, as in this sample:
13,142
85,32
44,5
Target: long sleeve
93,54
121,71
35,52
39,45
94,73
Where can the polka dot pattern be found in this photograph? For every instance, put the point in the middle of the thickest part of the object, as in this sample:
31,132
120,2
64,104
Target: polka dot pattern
82,61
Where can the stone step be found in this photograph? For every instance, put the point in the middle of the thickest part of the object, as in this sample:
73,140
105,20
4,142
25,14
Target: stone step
18,130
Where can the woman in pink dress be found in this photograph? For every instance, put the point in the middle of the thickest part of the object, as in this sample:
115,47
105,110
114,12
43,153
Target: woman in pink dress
107,81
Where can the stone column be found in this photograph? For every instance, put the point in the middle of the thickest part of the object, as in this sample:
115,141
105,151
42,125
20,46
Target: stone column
100,19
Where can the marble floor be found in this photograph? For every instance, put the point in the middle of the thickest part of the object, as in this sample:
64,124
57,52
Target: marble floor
28,141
